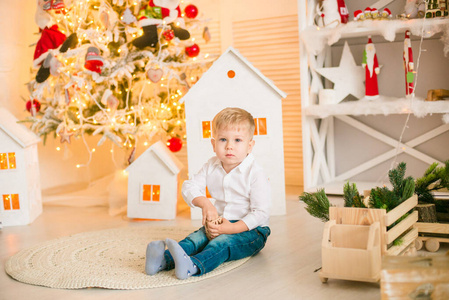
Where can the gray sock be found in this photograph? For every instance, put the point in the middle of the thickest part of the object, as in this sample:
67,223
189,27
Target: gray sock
155,260
184,267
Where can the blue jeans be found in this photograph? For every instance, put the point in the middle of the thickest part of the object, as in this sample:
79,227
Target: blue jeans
207,255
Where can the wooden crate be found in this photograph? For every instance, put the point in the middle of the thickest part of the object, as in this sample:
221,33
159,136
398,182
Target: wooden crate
367,216
351,252
404,277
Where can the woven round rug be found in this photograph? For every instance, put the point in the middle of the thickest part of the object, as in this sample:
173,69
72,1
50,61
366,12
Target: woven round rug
112,259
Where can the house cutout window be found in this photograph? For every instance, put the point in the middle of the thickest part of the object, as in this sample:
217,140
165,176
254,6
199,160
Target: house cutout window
261,126
11,202
207,129
7,161
231,73
151,193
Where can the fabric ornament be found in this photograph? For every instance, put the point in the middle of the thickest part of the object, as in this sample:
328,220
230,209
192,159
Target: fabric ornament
206,34
374,13
372,69
94,61
367,13
156,13
155,74
386,14
109,100
128,17
51,38
408,65
56,5
358,15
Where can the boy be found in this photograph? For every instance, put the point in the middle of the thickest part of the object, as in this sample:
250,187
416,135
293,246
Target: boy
243,199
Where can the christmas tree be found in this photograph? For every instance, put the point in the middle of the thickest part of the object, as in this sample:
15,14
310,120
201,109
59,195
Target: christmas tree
115,68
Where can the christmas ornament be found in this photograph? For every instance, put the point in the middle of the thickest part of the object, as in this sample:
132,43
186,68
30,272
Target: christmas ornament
94,61
358,15
104,18
386,14
65,135
33,106
109,100
372,69
408,65
193,51
53,4
155,75
191,11
69,43
168,35
331,13
206,34
174,144
347,77
128,17
44,71
152,15
367,13
51,38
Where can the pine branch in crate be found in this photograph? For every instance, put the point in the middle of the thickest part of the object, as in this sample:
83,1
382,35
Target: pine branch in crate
351,196
317,204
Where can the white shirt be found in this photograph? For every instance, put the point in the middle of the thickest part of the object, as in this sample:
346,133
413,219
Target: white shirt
242,194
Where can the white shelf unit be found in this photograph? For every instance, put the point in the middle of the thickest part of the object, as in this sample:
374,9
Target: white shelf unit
318,120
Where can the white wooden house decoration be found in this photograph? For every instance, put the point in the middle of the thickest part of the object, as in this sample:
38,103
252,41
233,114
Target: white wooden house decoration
20,188
153,184
232,81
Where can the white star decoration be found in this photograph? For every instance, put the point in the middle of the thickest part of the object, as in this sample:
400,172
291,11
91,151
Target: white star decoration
348,78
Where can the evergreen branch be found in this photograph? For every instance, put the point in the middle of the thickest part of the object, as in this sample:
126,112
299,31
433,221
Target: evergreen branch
317,204
351,196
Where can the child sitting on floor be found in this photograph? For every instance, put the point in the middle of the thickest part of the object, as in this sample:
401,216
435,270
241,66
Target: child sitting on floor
243,199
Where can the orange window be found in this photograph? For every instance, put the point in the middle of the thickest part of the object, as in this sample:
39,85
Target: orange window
3,161
151,192
207,129
15,201
6,202
156,192
7,161
261,126
12,160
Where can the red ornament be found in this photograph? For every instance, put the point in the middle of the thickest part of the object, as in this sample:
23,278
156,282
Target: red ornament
191,11
33,106
193,51
168,35
174,144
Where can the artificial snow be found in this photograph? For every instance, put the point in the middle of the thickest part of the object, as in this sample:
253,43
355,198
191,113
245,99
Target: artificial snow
316,38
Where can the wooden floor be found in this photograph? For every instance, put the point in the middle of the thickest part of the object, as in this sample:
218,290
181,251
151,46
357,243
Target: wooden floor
283,270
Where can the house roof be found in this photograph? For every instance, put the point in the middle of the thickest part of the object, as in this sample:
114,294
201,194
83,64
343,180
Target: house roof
234,52
18,132
164,154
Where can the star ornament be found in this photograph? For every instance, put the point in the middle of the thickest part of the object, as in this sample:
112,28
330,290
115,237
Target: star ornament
348,78
65,136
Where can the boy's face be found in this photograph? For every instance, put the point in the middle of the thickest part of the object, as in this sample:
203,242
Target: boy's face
231,145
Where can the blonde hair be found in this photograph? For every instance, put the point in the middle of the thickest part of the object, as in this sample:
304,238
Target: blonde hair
233,116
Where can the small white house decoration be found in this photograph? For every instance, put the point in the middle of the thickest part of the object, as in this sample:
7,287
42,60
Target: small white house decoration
232,81
20,188
153,184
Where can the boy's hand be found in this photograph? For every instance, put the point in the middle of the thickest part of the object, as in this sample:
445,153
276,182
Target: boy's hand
226,227
208,209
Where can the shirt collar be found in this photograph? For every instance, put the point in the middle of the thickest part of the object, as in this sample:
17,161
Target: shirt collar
241,167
